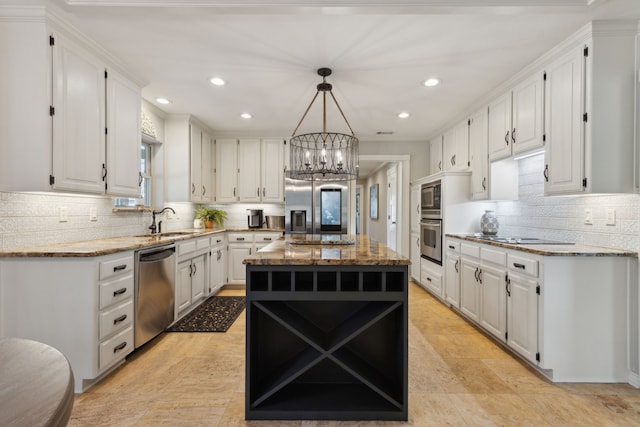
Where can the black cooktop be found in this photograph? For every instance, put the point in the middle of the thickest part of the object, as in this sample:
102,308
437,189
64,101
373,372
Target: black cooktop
517,240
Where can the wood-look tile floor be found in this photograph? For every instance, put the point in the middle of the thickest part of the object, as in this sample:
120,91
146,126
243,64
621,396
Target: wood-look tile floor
457,377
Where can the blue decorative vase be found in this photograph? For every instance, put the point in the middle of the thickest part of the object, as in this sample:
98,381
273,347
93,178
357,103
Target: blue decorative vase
489,223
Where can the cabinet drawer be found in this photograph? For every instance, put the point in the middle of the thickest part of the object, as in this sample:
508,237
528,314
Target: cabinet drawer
493,256
240,237
470,250
218,240
267,237
186,247
523,265
116,290
116,319
116,266
202,243
116,348
453,246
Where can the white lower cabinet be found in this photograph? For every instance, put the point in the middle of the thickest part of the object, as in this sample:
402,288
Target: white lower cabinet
82,306
218,263
522,315
469,292
240,247
452,273
415,256
192,277
431,277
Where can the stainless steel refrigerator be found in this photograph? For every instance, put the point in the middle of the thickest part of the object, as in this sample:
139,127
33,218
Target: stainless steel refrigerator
316,207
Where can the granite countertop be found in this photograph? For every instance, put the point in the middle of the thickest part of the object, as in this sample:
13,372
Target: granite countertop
551,249
364,251
91,248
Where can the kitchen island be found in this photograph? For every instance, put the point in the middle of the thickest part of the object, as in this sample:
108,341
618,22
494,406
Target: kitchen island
326,330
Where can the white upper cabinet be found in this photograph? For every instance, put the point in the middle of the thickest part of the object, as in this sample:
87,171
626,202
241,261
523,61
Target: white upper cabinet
478,146
226,170
78,112
455,148
188,147
435,155
123,136
273,167
249,170
589,112
515,119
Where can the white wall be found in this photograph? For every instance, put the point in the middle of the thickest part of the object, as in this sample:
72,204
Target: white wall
418,150
562,218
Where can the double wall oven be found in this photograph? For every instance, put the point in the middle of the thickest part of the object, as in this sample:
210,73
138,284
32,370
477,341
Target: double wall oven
431,222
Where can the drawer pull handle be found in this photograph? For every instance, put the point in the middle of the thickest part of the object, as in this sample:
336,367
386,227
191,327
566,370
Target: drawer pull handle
119,267
428,279
119,319
218,240
240,238
119,292
267,238
119,347
518,265
451,247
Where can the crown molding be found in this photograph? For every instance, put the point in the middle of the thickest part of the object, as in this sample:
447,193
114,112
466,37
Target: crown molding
23,14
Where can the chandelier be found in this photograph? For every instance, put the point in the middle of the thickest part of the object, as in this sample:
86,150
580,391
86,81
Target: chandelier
324,156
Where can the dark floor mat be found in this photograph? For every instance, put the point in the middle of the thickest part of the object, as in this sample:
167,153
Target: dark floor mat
216,314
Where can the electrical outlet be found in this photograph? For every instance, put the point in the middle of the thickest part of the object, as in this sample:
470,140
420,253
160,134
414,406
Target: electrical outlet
588,216
611,217
93,213
63,214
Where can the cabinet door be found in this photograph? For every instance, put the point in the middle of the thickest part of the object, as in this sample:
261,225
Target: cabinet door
123,136
415,256
564,128
415,214
272,166
226,170
430,278
249,170
500,127
198,278
493,310
183,287
206,163
522,316
479,145
195,150
452,280
527,129
79,119
448,150
237,270
469,298
435,155
461,159
218,262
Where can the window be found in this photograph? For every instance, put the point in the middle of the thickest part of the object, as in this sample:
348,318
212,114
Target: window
145,184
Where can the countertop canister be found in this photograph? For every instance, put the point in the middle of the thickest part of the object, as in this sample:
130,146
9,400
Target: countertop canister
489,223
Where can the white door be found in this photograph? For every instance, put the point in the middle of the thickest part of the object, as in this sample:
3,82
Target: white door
469,298
198,278
522,316
249,170
195,151
272,170
226,170
493,300
479,146
183,287
392,206
500,127
452,280
237,270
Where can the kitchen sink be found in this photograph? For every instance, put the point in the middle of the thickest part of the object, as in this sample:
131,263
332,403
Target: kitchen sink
168,234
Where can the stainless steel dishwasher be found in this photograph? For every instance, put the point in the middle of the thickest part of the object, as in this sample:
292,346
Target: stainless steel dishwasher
155,272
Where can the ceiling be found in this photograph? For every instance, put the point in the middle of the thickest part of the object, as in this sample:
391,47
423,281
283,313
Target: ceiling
380,52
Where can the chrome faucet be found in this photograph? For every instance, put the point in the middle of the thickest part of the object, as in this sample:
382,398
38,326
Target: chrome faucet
153,226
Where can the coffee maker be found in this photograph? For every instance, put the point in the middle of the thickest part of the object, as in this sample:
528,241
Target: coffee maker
254,218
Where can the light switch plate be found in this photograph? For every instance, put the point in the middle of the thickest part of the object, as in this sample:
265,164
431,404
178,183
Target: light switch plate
588,216
93,213
611,216
63,214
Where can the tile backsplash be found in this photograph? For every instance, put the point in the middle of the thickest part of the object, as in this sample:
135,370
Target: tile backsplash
563,217
34,219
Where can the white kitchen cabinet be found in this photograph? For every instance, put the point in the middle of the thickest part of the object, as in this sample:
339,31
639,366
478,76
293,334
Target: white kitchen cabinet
272,167
589,112
493,311
189,171
455,148
522,310
192,276
218,260
478,147
435,155
226,170
431,277
240,247
262,239
415,256
123,136
452,273
249,189
82,306
416,213
515,119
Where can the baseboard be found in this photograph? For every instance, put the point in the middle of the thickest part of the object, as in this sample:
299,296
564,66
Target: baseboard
634,379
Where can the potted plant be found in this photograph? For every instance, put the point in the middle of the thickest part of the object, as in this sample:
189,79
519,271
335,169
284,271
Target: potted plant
211,216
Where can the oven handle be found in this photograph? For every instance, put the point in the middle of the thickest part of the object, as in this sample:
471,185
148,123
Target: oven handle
429,223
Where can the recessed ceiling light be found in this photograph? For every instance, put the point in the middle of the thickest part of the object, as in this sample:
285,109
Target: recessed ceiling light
246,115
431,82
163,101
217,81
403,115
